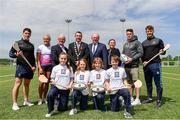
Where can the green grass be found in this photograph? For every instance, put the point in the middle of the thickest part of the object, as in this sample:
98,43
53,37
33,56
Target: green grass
169,110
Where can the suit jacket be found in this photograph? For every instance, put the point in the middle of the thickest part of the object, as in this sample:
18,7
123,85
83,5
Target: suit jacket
114,51
101,52
75,55
55,51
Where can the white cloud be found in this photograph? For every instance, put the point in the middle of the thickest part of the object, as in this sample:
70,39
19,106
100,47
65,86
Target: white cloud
88,16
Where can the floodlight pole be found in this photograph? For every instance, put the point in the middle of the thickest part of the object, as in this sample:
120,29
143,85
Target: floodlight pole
123,39
68,21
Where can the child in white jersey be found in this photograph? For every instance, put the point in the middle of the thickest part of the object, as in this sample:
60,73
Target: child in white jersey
44,62
81,77
61,80
115,86
97,79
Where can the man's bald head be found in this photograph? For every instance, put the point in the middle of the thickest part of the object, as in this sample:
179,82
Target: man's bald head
95,37
61,39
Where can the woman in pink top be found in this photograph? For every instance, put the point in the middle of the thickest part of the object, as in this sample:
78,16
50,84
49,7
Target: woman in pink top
44,62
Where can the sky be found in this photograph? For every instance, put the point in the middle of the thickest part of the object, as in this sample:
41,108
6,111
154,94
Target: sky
89,16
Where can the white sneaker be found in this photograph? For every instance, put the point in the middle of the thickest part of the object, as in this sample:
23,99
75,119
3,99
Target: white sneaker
40,102
49,114
136,102
28,103
15,107
73,111
127,115
132,99
45,101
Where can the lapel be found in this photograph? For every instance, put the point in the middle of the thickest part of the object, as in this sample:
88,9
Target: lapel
97,49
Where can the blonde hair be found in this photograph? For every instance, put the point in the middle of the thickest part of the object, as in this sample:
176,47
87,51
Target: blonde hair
97,59
78,66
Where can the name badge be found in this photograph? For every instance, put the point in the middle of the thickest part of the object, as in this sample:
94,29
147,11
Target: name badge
81,77
63,71
116,74
98,76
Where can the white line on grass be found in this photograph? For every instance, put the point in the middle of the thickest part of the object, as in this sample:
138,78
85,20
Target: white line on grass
6,75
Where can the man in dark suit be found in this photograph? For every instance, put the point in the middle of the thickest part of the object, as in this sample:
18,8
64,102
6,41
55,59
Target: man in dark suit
58,48
98,49
77,50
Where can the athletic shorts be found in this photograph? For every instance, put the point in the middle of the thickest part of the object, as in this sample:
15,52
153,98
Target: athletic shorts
132,74
23,71
47,68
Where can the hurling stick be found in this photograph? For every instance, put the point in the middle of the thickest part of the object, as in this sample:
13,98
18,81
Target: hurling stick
165,48
16,47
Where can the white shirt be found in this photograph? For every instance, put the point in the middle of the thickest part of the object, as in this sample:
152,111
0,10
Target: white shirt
45,54
98,77
115,76
82,77
62,75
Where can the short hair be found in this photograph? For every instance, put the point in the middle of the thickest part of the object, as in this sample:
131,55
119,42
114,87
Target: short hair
27,29
78,32
112,40
129,30
149,27
47,35
115,58
97,59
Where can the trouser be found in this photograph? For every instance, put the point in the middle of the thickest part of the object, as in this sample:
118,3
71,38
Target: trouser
98,101
153,71
115,102
62,99
83,100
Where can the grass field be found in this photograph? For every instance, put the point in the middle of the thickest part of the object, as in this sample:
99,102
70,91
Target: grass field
169,110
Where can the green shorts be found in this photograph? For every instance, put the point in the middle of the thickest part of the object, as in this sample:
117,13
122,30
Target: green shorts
132,74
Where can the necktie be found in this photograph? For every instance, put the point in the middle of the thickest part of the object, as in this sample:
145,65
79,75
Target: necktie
94,48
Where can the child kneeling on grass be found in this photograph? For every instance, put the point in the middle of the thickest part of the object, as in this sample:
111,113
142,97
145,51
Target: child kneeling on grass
81,77
61,80
115,86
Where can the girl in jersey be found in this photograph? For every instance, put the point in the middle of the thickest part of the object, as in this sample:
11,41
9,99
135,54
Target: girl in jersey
61,80
81,76
97,79
44,62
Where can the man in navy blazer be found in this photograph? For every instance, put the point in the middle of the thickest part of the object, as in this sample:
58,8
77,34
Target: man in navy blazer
58,48
98,49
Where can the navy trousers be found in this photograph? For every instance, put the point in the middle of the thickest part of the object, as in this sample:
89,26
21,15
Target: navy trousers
63,96
115,102
153,71
98,101
77,94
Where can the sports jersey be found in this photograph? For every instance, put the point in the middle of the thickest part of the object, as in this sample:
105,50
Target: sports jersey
62,75
97,77
115,77
45,54
82,77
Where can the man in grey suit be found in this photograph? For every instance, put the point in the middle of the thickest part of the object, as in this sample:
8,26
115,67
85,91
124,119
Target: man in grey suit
98,49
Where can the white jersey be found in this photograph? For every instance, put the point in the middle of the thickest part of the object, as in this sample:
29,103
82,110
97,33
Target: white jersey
62,75
98,77
115,76
45,54
82,77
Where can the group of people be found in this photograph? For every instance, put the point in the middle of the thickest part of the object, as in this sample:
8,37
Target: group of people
91,65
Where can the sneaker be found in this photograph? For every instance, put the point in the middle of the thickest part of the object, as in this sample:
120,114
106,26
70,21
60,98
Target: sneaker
158,103
149,100
45,101
132,99
15,107
40,102
127,115
49,114
28,103
136,102
73,111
